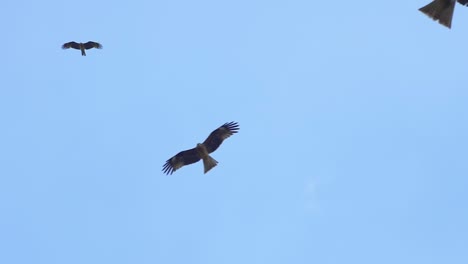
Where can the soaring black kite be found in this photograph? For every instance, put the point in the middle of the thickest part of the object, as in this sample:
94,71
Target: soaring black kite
82,46
442,10
202,151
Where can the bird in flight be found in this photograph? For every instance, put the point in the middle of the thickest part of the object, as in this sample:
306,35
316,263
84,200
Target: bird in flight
202,151
442,10
82,46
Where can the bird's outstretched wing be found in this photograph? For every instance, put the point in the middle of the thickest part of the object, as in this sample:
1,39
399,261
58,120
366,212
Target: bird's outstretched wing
217,137
92,44
71,44
181,159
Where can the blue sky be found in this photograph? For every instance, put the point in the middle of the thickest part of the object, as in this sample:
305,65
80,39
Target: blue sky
352,145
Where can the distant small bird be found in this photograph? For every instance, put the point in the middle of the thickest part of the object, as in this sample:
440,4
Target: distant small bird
202,151
442,10
82,46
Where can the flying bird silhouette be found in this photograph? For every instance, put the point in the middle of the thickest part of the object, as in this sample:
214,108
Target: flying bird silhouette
442,10
82,46
202,151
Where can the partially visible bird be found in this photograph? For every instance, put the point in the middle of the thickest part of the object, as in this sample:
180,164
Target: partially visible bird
202,151
442,10
82,46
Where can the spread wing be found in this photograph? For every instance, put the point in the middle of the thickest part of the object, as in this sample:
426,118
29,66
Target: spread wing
72,44
92,44
182,158
463,2
217,137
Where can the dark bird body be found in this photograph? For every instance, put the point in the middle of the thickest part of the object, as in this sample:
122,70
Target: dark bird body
442,10
202,151
82,46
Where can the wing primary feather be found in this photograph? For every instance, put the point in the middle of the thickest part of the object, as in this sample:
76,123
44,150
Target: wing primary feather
217,137
179,160
71,44
92,44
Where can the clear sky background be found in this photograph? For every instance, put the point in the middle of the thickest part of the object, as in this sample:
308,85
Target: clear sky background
353,141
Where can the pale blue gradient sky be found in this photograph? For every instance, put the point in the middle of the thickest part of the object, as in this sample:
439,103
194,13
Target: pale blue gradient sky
353,142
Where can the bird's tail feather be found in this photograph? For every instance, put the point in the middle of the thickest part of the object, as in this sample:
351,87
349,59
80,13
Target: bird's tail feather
440,10
209,163
83,53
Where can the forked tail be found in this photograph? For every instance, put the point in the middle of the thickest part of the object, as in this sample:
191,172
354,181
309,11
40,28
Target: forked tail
440,10
209,163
